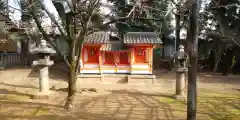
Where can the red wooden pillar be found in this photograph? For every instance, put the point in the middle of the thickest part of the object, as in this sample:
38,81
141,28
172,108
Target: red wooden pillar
131,59
116,60
151,58
100,62
82,58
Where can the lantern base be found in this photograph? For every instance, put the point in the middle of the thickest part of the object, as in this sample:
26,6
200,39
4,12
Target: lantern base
180,97
42,95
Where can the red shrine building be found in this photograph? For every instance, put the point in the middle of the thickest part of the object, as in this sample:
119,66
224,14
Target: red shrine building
103,54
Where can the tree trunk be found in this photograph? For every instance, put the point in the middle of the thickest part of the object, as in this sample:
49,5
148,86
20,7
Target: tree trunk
217,59
193,55
217,53
178,41
24,53
72,77
191,96
227,61
72,87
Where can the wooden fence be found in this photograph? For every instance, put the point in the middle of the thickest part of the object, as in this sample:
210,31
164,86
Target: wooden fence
10,59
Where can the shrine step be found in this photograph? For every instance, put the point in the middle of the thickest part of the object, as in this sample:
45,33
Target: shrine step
117,78
141,79
106,78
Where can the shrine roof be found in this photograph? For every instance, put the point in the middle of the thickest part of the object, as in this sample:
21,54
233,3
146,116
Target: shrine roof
3,17
97,37
142,38
129,38
113,46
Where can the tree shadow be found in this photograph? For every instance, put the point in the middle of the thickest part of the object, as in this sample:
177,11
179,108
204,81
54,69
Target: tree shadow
17,67
125,105
17,105
161,72
56,72
133,104
118,105
205,77
42,117
215,78
16,109
59,72
219,108
6,91
21,86
236,89
10,103
138,93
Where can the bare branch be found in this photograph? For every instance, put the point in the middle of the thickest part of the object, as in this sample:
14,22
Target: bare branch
225,6
55,21
79,52
93,4
173,7
81,34
33,13
134,7
137,3
118,19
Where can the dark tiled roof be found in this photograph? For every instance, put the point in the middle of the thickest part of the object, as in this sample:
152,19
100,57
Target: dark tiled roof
3,17
142,38
112,46
129,38
7,21
97,37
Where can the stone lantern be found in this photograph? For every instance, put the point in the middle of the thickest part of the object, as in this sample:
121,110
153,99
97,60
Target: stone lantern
43,63
181,69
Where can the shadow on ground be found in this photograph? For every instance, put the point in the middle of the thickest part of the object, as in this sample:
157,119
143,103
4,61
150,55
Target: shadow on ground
20,86
11,92
135,105
220,107
116,105
128,105
119,105
216,78
56,72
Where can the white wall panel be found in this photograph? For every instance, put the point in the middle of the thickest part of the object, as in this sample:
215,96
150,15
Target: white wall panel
141,72
140,66
108,71
123,71
91,65
89,71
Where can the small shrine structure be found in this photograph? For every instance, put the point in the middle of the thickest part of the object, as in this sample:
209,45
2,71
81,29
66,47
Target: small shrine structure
131,54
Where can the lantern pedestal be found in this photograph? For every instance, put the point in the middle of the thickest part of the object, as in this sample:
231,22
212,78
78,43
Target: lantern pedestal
181,71
43,64
180,84
42,95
